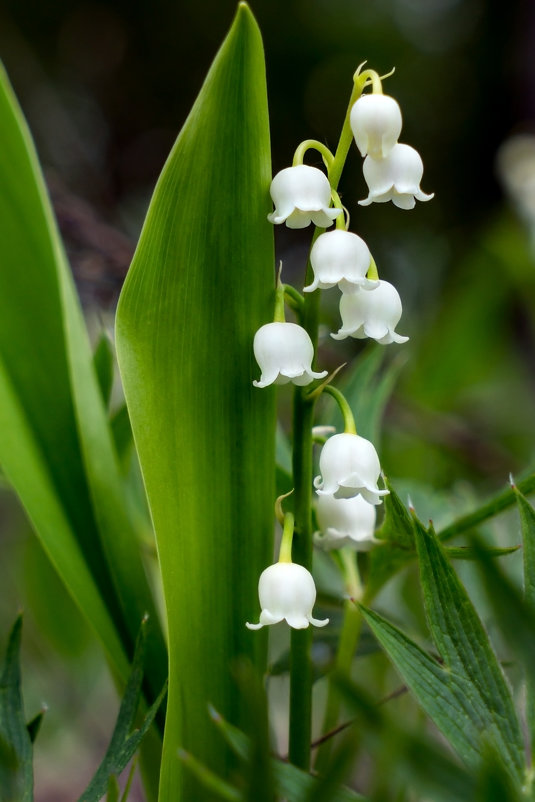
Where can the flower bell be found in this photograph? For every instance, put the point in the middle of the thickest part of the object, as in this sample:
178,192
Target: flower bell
287,592
345,522
302,195
349,465
371,314
376,124
340,257
284,352
396,177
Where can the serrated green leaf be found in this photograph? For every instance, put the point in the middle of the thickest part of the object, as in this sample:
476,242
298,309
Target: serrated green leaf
465,648
55,444
200,285
124,743
103,361
468,698
441,693
16,769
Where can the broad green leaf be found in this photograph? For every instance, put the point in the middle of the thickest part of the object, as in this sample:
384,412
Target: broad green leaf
468,698
290,782
55,443
16,769
124,743
201,283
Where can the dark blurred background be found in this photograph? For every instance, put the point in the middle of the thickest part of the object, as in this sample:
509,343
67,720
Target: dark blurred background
106,87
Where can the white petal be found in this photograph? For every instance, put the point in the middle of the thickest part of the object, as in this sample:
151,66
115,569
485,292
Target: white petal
376,124
302,194
318,622
284,353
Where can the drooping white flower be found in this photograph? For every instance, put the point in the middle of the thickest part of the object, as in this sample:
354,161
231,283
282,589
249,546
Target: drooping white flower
376,124
396,177
371,314
284,352
343,258
349,465
302,195
345,522
287,591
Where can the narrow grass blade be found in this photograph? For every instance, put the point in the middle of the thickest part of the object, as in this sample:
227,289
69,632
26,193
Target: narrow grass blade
527,523
200,285
16,769
103,362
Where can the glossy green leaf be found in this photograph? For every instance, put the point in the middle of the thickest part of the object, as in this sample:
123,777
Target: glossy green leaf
55,443
200,284
16,769
468,697
124,743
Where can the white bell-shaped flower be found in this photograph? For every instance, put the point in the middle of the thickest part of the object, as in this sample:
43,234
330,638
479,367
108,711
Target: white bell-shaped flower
284,353
396,177
345,522
340,257
349,465
371,314
376,124
287,591
302,195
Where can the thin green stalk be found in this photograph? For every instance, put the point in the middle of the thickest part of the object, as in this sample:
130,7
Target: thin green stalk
303,419
347,646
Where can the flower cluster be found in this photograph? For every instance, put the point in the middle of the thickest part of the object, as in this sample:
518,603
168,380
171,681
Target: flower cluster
347,487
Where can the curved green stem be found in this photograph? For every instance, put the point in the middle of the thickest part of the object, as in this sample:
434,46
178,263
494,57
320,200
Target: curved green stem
294,299
345,409
285,552
312,144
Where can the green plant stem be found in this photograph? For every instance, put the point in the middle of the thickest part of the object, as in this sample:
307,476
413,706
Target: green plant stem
500,502
345,409
303,418
347,646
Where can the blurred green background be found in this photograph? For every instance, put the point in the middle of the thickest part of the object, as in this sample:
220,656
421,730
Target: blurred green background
106,86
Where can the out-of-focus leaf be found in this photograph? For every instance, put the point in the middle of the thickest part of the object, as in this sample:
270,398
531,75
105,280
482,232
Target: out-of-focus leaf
367,389
208,779
397,524
124,743
290,782
55,443
103,361
113,789
468,698
201,283
259,773
16,770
